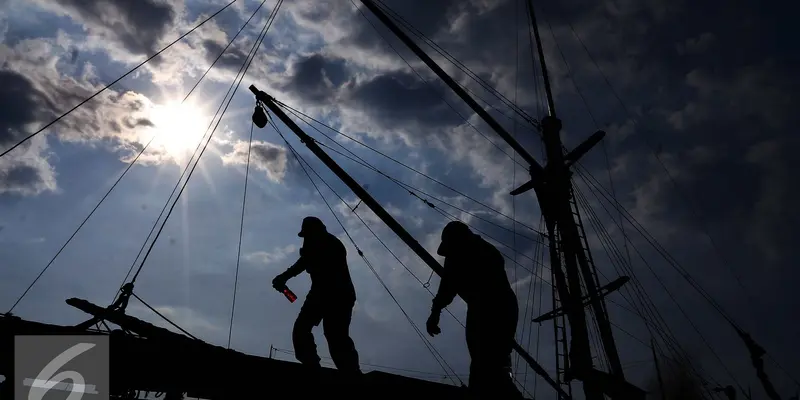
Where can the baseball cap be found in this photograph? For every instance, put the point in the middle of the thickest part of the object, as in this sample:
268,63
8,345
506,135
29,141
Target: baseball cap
311,224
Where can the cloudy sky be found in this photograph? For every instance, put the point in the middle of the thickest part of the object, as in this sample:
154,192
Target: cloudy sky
696,101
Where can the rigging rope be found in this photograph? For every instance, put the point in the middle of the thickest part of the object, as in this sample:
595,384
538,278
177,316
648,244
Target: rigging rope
243,71
241,231
683,193
431,88
298,113
128,167
666,255
657,246
425,285
162,316
514,175
199,143
440,211
463,68
530,297
115,81
366,164
612,251
437,356
674,300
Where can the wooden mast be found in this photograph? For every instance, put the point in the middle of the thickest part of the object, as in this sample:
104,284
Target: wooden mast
554,191
573,245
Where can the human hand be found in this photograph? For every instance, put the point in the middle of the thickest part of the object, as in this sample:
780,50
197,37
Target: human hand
279,283
432,325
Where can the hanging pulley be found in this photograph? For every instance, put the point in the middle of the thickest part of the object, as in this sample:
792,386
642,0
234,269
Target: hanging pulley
260,116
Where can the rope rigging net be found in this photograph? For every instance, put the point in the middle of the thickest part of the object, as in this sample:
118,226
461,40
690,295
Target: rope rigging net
638,301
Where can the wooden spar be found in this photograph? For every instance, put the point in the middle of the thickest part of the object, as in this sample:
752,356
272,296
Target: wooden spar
534,165
553,187
373,205
551,106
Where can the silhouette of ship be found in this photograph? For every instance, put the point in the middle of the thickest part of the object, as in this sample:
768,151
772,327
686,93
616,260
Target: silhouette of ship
148,358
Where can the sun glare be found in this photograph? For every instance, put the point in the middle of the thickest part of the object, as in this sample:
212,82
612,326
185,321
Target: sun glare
179,127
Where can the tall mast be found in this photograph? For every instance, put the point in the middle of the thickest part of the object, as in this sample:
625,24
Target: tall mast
551,106
553,143
379,211
554,192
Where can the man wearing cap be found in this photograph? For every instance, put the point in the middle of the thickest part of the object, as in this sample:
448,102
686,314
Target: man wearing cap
474,269
330,300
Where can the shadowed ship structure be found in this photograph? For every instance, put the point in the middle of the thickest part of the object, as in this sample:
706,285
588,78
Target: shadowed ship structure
147,358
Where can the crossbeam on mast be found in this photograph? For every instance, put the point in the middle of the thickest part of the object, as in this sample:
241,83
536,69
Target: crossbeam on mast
552,185
387,218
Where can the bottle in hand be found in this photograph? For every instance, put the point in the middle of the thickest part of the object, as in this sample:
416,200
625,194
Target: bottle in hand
289,294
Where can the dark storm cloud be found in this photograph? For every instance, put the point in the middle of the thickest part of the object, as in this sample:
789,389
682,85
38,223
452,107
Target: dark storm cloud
264,156
232,59
18,106
34,93
317,78
430,22
22,179
392,99
25,103
400,99
713,90
136,25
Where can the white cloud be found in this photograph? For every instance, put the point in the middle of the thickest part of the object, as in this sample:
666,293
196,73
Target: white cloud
188,318
268,258
264,156
27,172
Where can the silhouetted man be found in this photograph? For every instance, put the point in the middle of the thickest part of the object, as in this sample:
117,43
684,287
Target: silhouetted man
474,269
330,300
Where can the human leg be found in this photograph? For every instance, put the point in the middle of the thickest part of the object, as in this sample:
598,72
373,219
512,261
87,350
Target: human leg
490,342
336,324
305,348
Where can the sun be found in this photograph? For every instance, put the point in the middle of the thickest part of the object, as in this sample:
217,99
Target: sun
179,127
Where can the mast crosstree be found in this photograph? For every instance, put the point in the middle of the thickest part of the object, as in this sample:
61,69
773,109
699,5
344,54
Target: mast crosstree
575,282
553,188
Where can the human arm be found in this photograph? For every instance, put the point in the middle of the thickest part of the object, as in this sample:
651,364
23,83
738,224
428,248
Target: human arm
447,288
444,296
296,269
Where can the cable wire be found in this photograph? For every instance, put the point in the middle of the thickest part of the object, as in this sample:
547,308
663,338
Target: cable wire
686,197
241,231
130,164
444,213
243,70
115,81
428,84
197,148
162,316
682,311
426,342
463,68
406,166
